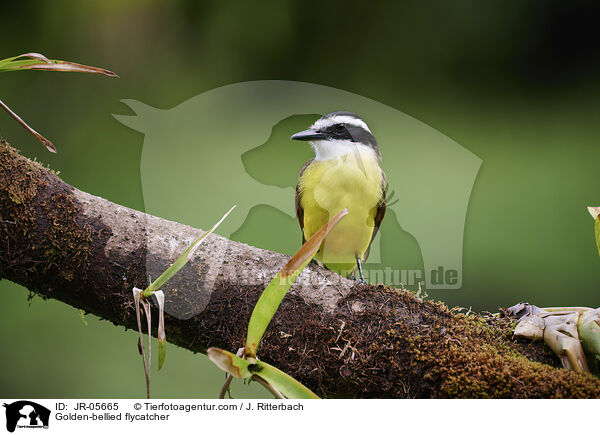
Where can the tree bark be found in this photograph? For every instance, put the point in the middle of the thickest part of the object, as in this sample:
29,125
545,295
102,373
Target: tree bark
338,338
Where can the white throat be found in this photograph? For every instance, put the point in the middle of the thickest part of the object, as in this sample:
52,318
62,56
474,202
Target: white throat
334,149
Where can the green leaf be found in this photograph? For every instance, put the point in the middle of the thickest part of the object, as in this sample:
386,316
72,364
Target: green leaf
597,227
589,331
289,387
240,368
265,308
229,362
271,298
8,60
182,260
38,61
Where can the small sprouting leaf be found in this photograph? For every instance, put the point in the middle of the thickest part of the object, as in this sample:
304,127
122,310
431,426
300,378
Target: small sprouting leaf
182,260
229,362
289,387
271,298
162,337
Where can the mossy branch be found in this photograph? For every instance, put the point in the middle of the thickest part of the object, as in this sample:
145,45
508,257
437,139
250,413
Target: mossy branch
339,339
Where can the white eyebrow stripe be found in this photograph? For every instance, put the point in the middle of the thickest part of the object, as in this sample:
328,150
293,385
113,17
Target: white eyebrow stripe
340,119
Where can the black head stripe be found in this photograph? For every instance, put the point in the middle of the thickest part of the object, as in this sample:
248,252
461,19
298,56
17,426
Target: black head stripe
361,135
339,132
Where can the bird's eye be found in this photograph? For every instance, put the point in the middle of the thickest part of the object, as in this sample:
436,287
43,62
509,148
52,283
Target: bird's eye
340,127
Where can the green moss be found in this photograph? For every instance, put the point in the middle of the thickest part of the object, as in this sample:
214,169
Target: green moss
435,352
22,176
45,212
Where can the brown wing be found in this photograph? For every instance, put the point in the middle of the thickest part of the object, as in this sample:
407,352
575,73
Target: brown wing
381,206
299,209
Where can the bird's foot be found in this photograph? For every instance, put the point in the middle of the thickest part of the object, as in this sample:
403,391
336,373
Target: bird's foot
359,281
361,277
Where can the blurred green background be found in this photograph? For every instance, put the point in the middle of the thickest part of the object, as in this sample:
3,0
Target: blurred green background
515,82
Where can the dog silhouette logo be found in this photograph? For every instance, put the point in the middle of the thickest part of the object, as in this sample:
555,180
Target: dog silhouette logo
26,414
231,145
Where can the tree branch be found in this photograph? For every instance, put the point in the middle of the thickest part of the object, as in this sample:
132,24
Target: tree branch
340,339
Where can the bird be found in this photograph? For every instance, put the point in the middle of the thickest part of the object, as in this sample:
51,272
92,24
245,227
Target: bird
345,173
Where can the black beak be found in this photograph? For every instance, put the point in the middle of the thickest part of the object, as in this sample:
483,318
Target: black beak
309,135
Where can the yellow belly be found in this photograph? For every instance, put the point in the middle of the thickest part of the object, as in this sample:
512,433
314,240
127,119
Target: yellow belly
331,185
